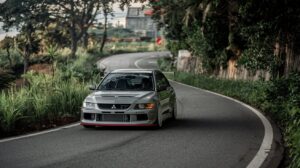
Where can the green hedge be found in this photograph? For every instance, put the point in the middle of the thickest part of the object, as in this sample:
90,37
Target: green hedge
278,98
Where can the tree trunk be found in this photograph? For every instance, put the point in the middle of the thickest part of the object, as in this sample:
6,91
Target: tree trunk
105,32
288,57
278,70
74,42
8,57
26,61
73,48
74,39
85,40
292,62
28,49
233,48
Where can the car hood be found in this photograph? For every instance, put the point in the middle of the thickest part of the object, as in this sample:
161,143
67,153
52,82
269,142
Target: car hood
120,97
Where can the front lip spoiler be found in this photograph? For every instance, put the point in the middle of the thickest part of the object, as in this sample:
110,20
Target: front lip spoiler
118,125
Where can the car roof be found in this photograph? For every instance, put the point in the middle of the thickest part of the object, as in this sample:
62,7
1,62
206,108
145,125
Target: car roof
133,71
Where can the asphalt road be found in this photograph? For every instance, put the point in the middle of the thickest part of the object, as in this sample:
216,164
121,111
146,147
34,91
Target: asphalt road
211,132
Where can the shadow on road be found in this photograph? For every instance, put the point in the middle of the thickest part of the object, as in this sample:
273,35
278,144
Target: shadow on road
213,124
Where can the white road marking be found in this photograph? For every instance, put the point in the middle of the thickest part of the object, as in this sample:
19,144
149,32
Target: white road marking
152,62
256,162
39,133
103,64
266,144
136,63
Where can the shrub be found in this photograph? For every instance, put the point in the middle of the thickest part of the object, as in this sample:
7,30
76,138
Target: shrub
11,108
165,64
45,99
5,78
283,101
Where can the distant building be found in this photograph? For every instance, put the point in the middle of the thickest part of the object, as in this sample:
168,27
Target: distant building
140,22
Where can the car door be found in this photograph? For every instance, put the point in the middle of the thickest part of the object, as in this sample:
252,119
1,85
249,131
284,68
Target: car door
164,92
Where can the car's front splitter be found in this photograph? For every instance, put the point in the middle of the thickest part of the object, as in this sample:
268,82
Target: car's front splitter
117,125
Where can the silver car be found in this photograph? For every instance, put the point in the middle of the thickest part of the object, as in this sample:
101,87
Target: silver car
130,97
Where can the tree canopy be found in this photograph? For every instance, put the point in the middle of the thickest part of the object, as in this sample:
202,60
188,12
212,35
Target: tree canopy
260,34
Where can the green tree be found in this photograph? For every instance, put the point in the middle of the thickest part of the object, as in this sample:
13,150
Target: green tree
7,43
272,30
26,16
76,16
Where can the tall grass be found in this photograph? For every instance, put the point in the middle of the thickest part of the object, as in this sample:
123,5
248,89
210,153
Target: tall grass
11,105
46,98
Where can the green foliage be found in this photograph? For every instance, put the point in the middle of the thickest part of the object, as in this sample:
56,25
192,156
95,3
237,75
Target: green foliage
283,100
15,57
252,92
207,47
47,98
11,106
174,46
24,45
279,98
166,64
7,43
83,68
55,34
244,30
5,78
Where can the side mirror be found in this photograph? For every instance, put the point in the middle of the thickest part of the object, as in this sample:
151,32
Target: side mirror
92,87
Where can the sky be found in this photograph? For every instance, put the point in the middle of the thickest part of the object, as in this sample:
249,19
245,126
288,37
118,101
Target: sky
119,18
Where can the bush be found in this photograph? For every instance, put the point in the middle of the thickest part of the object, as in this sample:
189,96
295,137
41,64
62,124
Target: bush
283,101
252,92
15,57
83,68
45,99
165,64
5,78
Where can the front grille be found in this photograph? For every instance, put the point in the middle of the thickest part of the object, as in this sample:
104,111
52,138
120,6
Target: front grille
113,117
114,106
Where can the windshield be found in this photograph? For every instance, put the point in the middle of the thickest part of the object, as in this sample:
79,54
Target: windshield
128,82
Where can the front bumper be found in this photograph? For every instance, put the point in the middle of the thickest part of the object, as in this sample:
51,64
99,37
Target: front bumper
97,117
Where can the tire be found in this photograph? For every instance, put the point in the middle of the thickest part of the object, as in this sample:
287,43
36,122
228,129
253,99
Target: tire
174,111
159,120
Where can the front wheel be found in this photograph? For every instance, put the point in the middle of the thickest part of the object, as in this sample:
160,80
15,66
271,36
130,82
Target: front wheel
159,120
174,111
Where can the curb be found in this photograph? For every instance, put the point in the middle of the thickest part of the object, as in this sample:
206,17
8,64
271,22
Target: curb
276,155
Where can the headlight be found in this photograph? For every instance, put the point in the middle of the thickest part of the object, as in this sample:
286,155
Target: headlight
89,105
145,106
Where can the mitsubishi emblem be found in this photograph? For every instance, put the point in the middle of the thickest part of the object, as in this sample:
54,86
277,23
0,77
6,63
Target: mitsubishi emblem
113,107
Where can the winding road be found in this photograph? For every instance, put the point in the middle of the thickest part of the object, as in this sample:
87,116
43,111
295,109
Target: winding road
212,131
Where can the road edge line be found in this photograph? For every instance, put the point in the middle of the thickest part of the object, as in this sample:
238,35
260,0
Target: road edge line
39,133
267,141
